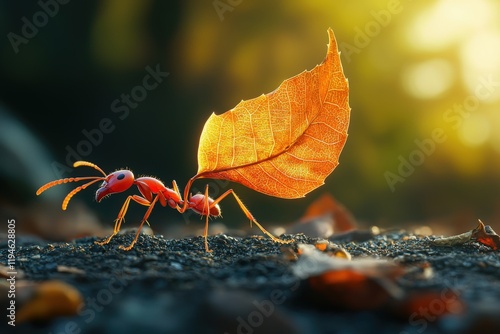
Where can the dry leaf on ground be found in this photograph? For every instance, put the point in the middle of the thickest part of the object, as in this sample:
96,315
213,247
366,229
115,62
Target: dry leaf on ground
481,234
50,299
327,205
324,217
369,284
360,284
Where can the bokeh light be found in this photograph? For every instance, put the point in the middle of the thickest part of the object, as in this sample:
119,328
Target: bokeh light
429,79
475,131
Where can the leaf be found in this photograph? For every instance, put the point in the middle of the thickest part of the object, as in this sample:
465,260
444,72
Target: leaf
317,227
486,236
424,299
360,284
326,204
284,143
49,300
481,234
324,217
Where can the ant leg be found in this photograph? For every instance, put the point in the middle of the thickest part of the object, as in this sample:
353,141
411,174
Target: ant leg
247,213
144,220
206,207
121,216
187,196
176,189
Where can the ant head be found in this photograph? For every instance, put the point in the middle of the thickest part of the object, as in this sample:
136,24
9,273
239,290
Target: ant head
115,182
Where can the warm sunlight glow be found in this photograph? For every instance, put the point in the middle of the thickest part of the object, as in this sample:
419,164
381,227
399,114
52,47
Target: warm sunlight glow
495,125
475,130
429,79
495,141
481,58
447,22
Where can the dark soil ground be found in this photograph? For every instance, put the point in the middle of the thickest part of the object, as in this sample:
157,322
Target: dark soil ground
246,285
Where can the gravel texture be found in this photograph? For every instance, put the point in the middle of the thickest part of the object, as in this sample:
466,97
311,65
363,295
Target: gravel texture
246,285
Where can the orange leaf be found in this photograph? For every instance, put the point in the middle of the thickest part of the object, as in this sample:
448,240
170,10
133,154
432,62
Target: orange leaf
360,284
418,301
349,289
482,234
486,236
51,299
284,143
326,204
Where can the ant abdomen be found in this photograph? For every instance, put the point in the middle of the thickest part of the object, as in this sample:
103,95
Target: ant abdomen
198,204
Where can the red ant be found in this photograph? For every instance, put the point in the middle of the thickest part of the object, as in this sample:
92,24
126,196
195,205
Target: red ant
152,191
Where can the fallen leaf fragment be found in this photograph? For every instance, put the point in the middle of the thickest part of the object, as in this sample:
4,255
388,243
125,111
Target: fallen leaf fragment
416,303
324,217
323,246
328,248
482,234
50,299
317,227
327,205
349,289
360,284
454,240
332,249
486,236
284,143
70,270
369,284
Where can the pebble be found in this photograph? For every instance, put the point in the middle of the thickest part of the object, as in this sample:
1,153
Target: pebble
176,265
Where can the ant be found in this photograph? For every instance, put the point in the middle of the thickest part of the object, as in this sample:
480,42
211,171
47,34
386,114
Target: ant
152,191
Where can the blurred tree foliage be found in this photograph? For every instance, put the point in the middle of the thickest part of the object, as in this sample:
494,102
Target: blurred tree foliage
408,63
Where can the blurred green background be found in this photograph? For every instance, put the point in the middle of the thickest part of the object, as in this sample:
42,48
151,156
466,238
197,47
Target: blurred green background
412,66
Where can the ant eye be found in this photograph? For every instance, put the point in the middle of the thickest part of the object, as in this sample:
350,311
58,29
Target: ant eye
121,176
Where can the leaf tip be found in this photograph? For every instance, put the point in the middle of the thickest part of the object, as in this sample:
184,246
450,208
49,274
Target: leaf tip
331,36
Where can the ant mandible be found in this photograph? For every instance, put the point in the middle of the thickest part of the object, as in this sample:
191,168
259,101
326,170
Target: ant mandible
152,191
